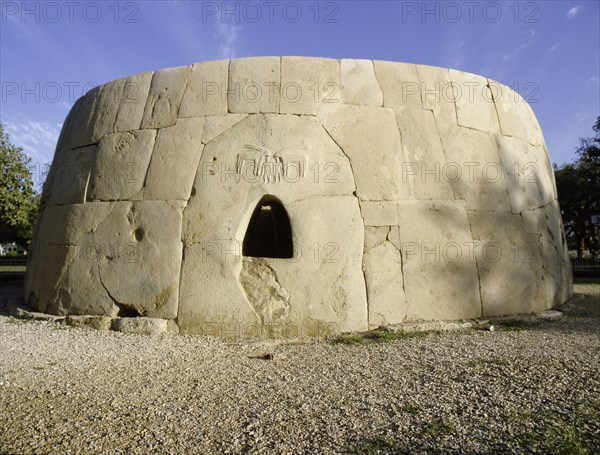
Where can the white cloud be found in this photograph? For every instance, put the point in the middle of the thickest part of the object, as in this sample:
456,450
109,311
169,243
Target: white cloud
552,48
573,12
227,35
38,139
525,42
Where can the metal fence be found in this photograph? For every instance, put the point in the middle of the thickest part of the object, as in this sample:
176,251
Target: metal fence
586,266
13,266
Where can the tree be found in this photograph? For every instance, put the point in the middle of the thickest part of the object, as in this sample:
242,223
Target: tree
19,201
578,186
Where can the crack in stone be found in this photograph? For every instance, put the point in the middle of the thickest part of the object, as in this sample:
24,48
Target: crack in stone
476,267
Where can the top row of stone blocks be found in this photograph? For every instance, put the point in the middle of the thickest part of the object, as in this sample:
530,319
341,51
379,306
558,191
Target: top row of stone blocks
298,86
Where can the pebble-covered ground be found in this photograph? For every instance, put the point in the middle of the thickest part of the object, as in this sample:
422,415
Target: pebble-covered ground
526,387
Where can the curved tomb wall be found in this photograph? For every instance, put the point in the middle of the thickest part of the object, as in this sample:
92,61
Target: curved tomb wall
412,192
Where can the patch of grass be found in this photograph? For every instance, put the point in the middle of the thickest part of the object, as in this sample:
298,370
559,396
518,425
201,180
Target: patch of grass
549,433
410,409
579,280
38,368
493,361
438,428
516,324
376,445
377,336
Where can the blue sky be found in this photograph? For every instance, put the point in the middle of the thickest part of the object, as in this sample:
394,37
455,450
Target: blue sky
51,52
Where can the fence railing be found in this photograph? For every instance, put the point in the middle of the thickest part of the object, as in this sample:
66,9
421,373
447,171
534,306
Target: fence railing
13,266
585,266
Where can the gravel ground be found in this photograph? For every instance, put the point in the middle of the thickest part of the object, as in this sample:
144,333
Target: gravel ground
526,387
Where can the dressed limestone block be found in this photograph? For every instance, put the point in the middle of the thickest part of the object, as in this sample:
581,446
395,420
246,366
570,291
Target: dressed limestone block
400,84
254,85
175,160
121,165
53,262
324,279
474,102
218,124
67,224
423,166
359,84
133,101
382,266
206,91
474,168
72,173
308,82
369,137
81,127
515,114
379,213
319,291
530,179
437,92
106,108
210,299
287,156
507,254
130,260
374,235
164,97
440,277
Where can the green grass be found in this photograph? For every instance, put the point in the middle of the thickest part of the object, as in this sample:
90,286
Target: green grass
12,268
439,428
377,336
494,361
586,281
376,445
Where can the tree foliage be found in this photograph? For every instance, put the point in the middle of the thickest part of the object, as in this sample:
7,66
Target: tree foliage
578,186
19,201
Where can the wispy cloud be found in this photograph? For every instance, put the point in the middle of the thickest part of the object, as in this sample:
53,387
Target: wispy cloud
227,35
38,139
523,45
552,48
573,12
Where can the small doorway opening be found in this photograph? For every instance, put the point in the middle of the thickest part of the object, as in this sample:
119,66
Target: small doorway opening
269,233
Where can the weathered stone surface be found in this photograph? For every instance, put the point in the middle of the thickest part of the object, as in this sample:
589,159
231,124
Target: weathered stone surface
400,84
320,290
72,171
206,91
437,92
218,124
528,174
308,82
369,137
474,102
515,114
473,168
379,213
421,172
133,101
359,84
287,156
144,326
374,235
405,199
175,160
129,261
81,122
105,109
382,266
164,97
121,165
254,85
93,322
440,277
508,261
